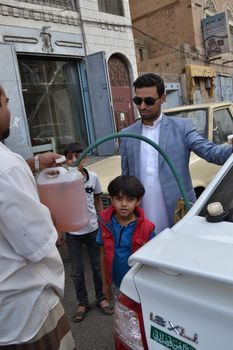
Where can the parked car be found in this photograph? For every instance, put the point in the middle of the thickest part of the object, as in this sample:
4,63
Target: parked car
213,121
178,293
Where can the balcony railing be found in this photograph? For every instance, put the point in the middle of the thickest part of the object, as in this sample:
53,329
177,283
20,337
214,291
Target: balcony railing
63,4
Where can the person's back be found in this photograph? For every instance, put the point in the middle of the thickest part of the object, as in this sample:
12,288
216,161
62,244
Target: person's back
123,229
21,256
32,274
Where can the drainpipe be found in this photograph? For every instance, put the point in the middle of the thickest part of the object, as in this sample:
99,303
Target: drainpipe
82,27
91,135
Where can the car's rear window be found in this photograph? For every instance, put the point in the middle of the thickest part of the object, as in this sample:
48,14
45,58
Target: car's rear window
198,116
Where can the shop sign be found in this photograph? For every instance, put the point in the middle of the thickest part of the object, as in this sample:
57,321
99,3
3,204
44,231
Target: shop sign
215,31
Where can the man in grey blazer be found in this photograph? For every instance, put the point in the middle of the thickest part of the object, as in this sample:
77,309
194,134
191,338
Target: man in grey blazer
177,137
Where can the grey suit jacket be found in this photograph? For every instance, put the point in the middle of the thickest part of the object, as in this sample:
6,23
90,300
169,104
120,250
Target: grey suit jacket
178,137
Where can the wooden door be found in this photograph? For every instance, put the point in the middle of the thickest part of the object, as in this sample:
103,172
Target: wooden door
121,92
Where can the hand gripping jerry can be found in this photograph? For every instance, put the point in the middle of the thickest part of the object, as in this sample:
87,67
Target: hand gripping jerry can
64,194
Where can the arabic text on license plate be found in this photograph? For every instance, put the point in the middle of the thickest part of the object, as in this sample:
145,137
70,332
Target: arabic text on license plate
168,340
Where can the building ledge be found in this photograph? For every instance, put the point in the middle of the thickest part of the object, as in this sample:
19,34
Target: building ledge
51,15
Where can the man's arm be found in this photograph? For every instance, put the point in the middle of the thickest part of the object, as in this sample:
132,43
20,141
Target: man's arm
45,160
24,222
204,148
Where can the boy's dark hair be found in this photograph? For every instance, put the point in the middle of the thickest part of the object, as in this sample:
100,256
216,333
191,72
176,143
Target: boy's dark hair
127,185
73,148
150,79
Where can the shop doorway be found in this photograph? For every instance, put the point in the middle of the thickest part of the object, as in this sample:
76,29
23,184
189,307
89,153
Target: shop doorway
121,92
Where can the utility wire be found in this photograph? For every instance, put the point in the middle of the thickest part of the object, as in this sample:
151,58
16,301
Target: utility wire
190,55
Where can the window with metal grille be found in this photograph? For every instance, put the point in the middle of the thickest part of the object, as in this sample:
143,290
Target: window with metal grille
63,4
111,6
53,102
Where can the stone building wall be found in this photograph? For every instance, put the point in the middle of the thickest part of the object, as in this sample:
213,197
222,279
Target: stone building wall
109,33
168,39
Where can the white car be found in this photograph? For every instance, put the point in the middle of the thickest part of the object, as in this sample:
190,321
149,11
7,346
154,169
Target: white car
179,292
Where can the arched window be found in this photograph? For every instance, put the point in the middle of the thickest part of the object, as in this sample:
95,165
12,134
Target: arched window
118,71
210,8
114,7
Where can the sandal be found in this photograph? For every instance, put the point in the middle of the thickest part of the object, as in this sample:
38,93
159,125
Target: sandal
81,314
107,309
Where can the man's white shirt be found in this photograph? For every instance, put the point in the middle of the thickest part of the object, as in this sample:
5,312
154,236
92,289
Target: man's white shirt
153,201
31,270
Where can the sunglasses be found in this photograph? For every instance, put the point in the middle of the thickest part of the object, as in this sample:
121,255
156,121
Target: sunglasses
149,101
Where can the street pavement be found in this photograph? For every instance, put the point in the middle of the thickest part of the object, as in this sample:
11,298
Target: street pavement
95,331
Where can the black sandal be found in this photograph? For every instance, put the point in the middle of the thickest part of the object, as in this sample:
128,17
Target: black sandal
107,310
80,315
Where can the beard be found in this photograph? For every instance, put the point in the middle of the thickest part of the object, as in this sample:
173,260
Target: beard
150,117
147,117
5,134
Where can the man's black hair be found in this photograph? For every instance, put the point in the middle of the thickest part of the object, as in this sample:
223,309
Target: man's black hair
127,185
150,79
73,148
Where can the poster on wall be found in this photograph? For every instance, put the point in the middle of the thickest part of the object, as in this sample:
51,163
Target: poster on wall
215,34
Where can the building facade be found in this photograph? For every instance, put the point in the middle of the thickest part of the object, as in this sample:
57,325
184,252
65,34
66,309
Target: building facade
67,67
187,42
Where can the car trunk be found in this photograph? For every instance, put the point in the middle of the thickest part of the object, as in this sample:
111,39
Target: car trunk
185,286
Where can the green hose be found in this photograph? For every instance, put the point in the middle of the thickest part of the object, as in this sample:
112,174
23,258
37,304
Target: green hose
143,138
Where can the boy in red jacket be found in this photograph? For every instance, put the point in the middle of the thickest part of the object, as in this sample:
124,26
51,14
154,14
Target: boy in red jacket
123,229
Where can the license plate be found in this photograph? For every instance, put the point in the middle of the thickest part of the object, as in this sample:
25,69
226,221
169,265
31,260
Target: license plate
168,340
